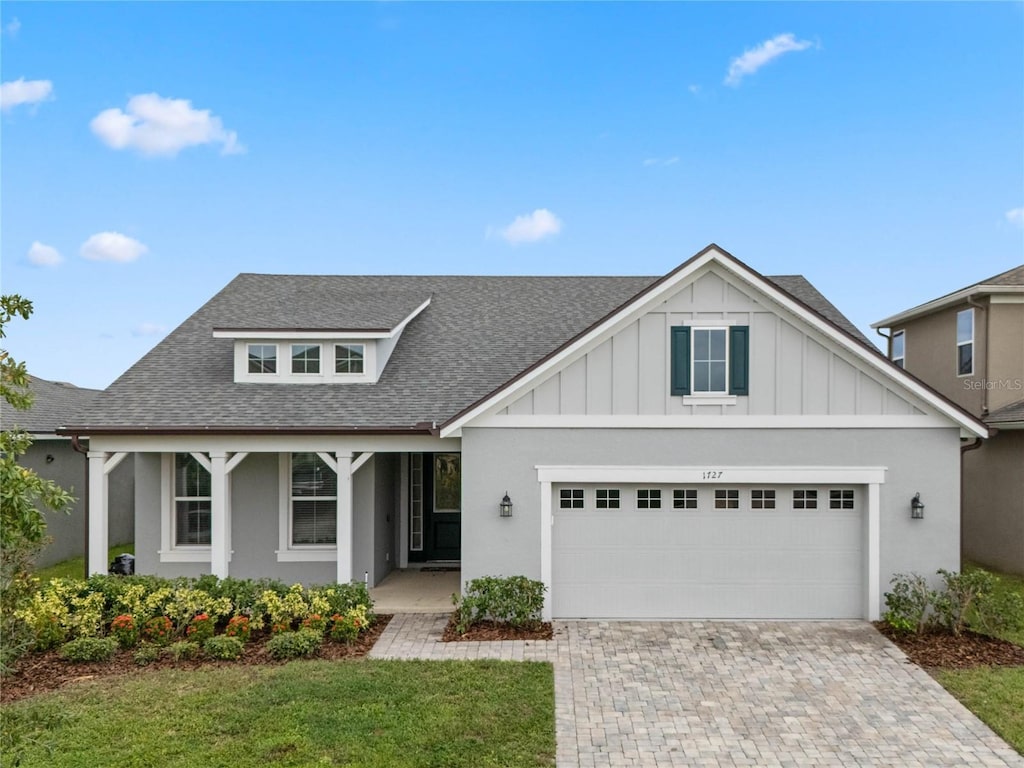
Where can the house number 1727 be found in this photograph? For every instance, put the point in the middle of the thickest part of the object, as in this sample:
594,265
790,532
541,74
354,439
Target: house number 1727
712,474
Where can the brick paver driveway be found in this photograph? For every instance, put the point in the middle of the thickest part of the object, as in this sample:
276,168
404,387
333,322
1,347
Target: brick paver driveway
733,694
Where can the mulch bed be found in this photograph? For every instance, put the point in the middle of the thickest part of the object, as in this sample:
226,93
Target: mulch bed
935,650
47,671
490,630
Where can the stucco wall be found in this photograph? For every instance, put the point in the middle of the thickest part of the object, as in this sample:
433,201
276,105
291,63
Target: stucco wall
67,469
255,523
496,460
1006,355
994,502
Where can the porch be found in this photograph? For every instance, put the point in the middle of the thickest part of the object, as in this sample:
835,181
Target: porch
417,590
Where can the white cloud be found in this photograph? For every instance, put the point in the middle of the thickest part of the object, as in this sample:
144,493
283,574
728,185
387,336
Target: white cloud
648,162
44,255
755,58
694,89
112,246
149,329
154,125
1015,216
12,27
531,227
22,91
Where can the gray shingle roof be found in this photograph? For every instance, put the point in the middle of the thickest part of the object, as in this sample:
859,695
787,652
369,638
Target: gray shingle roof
55,403
1008,414
476,334
799,288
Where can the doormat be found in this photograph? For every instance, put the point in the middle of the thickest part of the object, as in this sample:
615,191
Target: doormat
442,569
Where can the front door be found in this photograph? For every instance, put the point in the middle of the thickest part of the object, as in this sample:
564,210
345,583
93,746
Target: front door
436,496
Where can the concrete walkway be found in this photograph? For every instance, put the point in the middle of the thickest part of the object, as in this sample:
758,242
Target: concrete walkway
731,694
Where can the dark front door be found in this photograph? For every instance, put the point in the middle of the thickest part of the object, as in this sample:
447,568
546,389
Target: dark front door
439,495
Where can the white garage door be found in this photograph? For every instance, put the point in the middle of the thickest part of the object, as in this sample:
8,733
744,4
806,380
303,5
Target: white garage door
661,551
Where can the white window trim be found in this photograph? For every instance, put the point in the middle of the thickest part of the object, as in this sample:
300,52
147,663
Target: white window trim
328,362
902,358
277,359
956,360
703,397
319,359
286,551
169,552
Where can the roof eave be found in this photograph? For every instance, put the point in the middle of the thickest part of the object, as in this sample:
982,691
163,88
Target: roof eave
945,301
425,428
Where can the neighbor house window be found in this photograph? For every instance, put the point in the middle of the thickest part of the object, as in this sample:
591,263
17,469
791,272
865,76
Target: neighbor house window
965,342
648,498
710,361
805,499
607,498
314,501
305,358
348,358
684,498
191,502
570,498
899,344
840,499
762,499
727,499
262,358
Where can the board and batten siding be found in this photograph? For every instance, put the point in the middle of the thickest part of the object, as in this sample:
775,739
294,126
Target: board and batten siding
794,370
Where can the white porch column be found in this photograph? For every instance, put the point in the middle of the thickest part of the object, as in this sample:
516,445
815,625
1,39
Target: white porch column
98,513
345,534
546,524
874,540
218,515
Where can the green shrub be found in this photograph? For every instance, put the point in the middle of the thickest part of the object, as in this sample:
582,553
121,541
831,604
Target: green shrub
345,627
124,630
960,593
89,649
224,648
184,650
998,612
159,630
238,626
293,645
909,603
514,600
147,654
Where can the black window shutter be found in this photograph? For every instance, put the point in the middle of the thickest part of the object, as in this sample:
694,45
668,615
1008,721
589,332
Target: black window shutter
680,360
739,360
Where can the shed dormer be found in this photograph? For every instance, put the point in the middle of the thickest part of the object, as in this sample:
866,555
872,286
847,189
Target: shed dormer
353,352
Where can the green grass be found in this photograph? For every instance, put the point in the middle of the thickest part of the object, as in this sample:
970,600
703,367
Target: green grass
359,714
994,694
74,568
1008,583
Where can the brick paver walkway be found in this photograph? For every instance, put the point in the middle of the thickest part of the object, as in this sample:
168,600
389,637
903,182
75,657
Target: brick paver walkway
731,694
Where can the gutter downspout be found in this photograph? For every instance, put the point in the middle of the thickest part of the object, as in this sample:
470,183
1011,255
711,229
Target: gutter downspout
984,390
888,342
965,449
78,447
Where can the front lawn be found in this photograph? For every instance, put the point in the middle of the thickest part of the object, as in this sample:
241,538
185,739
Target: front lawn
74,568
365,713
995,694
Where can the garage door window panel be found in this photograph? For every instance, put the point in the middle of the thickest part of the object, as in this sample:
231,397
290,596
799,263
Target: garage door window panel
684,498
607,498
570,498
762,499
648,498
804,499
727,498
840,499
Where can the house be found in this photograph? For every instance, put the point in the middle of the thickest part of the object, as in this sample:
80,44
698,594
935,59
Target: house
53,457
710,443
969,346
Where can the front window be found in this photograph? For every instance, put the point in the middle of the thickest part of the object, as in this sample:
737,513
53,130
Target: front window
305,358
348,358
314,501
709,356
262,358
899,344
965,342
191,502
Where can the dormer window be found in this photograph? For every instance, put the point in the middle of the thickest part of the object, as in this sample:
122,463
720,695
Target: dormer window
348,358
262,358
305,358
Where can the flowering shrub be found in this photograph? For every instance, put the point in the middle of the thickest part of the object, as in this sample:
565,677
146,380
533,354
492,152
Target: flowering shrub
159,630
315,622
124,630
185,602
283,610
200,628
345,627
238,627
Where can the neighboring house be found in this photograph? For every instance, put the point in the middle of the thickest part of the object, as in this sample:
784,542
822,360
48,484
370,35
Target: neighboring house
969,345
711,443
53,457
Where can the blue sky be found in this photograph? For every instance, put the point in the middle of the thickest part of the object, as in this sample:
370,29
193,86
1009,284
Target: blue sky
150,152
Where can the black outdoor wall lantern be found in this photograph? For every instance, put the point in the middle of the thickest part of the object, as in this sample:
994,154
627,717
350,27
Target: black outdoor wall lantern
917,507
506,506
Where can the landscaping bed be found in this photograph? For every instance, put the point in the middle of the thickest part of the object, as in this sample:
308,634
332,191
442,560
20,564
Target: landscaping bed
493,630
47,671
938,650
